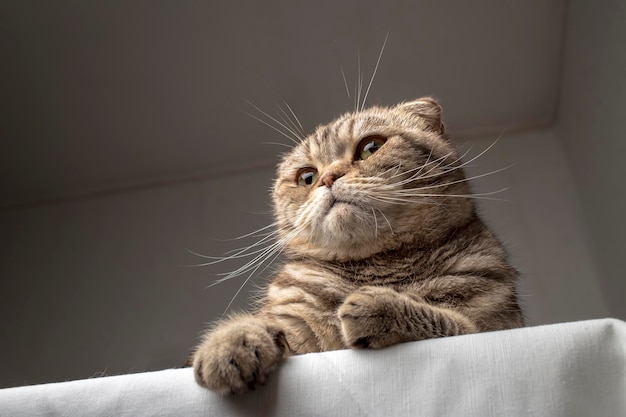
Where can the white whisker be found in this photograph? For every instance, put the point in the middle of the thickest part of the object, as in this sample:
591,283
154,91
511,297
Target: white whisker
445,184
250,265
482,196
273,127
288,122
278,144
416,173
295,136
375,70
449,168
397,168
296,126
386,219
375,223
359,80
391,199
464,164
295,117
254,271
269,226
345,82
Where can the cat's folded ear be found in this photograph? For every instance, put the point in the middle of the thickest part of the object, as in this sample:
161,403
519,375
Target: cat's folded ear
427,109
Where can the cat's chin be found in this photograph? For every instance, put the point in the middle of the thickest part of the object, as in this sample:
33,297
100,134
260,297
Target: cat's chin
344,234
344,216
341,230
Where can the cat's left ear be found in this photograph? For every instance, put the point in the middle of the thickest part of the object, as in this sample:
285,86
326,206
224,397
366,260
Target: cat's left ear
428,110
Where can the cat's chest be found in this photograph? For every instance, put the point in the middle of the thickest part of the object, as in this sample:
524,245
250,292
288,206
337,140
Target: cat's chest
305,284
386,270
327,285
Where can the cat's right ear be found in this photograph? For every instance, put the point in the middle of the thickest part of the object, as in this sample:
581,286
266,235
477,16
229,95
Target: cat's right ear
427,109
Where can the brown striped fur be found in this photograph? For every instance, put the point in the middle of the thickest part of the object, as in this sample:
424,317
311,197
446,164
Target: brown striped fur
381,250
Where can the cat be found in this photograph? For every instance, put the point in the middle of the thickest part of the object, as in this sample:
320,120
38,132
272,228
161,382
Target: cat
383,245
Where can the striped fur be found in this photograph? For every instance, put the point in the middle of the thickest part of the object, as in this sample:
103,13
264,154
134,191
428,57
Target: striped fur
381,250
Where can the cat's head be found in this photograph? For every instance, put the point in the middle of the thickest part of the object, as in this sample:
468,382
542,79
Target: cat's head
369,182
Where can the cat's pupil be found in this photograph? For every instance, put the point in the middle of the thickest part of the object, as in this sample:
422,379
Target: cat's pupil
371,148
368,147
307,176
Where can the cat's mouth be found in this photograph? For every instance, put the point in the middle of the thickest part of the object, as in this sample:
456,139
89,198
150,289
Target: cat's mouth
338,202
340,211
338,206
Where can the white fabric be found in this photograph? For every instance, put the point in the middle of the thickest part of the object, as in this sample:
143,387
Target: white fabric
572,369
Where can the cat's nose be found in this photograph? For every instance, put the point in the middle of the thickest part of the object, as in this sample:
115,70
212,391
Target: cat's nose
330,178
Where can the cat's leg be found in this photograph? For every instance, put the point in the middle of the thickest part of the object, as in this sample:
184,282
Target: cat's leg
238,354
380,316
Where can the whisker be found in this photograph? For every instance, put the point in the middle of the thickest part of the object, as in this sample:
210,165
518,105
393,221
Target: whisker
450,167
428,187
397,168
263,255
359,80
464,164
273,127
440,161
375,70
295,136
417,172
266,237
245,251
250,265
430,154
296,128
269,226
278,144
236,253
437,161
390,199
276,254
265,240
288,122
482,196
227,258
414,175
295,117
345,82
375,223
386,219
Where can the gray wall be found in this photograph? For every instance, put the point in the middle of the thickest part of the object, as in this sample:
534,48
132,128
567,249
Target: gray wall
592,126
98,285
101,285
104,94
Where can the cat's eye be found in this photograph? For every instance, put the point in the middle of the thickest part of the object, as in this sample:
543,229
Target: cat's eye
306,176
368,146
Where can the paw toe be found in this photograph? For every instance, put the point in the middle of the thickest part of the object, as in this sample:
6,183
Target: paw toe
361,342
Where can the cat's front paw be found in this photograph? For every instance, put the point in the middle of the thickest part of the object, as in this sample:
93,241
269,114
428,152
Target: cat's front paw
367,316
238,355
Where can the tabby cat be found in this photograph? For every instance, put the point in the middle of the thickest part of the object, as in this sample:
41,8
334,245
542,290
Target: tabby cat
383,246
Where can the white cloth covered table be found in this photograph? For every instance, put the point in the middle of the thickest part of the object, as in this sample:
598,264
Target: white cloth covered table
572,369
